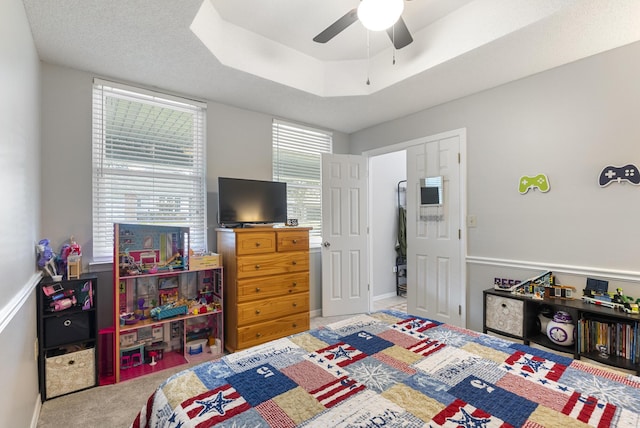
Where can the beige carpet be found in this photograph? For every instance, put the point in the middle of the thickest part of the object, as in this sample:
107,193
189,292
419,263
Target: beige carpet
402,307
109,406
116,406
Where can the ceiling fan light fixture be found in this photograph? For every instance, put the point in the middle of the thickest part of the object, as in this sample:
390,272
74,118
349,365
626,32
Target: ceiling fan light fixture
378,15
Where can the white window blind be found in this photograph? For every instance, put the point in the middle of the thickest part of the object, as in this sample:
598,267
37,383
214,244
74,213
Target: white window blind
297,161
148,163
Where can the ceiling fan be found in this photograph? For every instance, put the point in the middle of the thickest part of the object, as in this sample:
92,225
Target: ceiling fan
396,29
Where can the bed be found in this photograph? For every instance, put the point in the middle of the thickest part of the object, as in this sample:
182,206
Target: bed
392,369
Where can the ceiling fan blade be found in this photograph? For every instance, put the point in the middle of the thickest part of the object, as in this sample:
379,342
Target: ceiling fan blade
399,34
334,29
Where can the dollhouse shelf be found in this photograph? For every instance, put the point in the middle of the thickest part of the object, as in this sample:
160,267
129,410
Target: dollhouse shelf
150,274
150,321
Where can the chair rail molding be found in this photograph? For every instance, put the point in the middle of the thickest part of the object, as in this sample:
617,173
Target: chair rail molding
621,275
17,301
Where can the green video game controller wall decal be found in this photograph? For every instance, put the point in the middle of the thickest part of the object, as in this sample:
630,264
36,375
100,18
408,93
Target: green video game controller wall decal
540,182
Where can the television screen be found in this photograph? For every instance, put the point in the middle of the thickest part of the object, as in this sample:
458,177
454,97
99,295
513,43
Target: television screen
251,201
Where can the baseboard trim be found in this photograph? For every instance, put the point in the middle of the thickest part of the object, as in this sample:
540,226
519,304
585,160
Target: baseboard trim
591,271
384,296
36,412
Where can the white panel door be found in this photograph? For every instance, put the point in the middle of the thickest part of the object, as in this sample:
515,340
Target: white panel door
435,279
345,285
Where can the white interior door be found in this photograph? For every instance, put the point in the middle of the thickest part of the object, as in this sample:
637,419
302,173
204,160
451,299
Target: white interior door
435,246
345,285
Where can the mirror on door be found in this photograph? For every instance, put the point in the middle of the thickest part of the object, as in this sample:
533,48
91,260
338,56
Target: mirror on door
431,190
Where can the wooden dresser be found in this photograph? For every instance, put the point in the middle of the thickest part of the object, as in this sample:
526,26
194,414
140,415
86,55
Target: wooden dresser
266,283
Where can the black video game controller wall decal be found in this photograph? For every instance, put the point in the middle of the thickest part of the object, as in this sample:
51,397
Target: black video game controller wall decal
619,174
540,182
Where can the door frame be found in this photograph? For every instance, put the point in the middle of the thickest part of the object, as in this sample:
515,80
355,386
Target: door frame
462,134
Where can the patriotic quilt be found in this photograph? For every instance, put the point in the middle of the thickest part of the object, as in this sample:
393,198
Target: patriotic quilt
390,369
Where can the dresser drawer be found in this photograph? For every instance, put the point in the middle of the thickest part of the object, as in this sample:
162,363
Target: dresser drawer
292,240
272,264
263,332
264,288
267,309
504,315
256,243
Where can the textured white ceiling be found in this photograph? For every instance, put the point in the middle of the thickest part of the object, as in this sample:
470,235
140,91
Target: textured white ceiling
262,57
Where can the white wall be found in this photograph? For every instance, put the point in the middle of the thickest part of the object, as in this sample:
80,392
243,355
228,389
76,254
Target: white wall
19,215
238,145
385,171
569,123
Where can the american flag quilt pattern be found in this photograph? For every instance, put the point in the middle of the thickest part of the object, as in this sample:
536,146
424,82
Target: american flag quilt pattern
390,369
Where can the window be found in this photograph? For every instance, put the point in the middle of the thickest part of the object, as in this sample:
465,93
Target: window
148,163
297,161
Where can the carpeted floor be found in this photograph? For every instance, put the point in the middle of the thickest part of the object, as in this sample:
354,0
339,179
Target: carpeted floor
112,406
115,406
402,307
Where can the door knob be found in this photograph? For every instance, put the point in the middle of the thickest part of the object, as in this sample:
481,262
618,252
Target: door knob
326,244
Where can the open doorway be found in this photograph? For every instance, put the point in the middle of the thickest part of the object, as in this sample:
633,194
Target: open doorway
436,238
386,171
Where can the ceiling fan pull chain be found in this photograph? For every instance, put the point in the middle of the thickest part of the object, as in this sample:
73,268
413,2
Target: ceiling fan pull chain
393,43
368,59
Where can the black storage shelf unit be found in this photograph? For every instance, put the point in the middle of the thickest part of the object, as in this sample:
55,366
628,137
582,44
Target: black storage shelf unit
579,311
67,335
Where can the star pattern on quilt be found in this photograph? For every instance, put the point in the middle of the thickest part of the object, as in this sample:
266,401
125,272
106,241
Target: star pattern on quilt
218,404
397,371
341,352
469,421
532,363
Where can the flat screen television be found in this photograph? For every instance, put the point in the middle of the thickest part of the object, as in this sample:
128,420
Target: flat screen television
242,201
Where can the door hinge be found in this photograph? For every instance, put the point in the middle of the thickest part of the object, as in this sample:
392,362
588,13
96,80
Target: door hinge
459,233
368,287
458,157
460,310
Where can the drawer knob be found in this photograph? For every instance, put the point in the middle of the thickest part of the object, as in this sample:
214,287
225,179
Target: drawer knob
295,241
295,325
257,267
294,262
295,304
257,244
295,283
258,334
290,291
257,311
257,289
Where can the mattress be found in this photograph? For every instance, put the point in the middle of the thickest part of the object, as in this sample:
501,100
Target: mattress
392,369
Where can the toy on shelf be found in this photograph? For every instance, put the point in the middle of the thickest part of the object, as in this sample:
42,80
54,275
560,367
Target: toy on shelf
62,304
50,290
560,291
504,284
597,293
629,306
538,287
86,294
534,287
129,318
560,330
128,265
47,259
70,259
